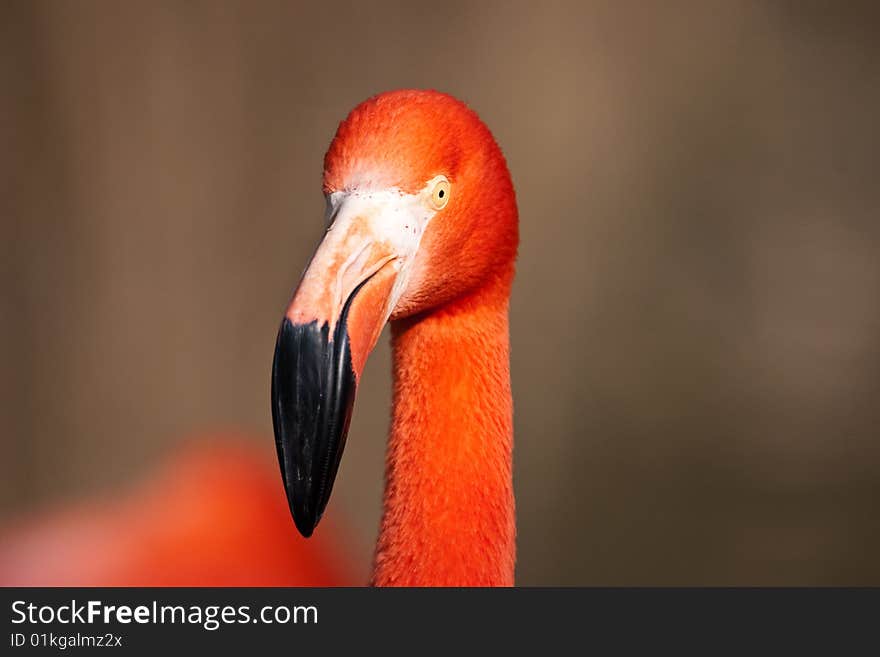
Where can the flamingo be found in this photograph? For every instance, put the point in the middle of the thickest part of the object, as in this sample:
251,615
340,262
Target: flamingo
210,515
422,232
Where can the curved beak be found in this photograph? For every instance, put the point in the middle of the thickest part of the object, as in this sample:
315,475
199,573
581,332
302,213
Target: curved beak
332,323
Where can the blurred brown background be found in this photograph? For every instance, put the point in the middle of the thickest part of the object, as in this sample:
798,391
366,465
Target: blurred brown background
696,318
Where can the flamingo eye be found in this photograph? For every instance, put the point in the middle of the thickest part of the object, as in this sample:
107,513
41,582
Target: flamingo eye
440,194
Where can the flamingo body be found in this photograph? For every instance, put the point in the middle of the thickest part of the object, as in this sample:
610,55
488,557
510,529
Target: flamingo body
211,515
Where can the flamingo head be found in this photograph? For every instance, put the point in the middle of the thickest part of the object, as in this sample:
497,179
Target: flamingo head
420,211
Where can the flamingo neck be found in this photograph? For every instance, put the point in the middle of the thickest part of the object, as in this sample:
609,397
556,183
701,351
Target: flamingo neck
448,515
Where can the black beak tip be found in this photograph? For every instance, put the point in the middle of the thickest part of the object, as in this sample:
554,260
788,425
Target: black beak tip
313,390
305,526
301,506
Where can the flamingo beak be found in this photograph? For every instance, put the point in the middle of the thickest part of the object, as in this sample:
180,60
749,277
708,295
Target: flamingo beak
332,323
